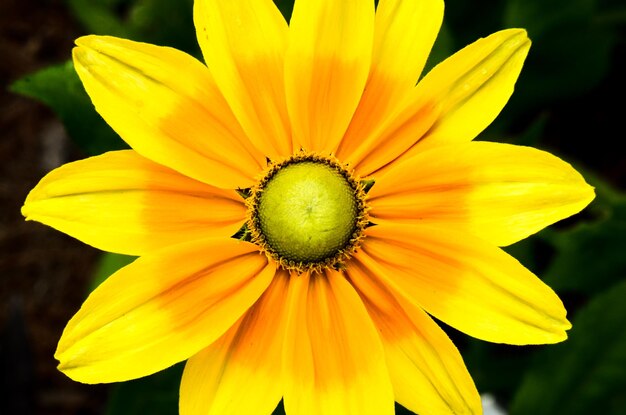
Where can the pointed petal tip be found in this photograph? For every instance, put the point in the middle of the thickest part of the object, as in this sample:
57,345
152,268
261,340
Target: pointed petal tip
92,41
511,43
591,192
61,352
519,42
65,368
76,374
38,192
28,209
555,334
112,341
83,55
560,333
515,32
82,41
90,46
529,312
567,325
553,338
88,42
24,210
69,369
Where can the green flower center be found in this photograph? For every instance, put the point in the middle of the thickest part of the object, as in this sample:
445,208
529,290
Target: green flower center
308,213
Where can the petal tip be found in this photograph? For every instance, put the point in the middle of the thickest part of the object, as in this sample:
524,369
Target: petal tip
75,373
65,366
557,337
515,40
590,192
515,32
555,334
567,326
81,55
86,41
24,210
28,209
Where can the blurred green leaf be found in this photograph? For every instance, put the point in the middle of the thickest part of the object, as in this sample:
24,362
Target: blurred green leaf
155,395
443,48
285,7
590,257
534,132
613,13
524,252
570,54
156,21
541,17
497,369
165,23
99,17
585,374
107,265
59,87
401,410
161,22
280,409
471,20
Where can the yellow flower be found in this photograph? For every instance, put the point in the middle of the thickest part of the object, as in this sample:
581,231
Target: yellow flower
359,202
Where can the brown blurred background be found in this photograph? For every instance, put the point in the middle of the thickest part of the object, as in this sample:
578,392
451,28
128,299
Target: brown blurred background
43,273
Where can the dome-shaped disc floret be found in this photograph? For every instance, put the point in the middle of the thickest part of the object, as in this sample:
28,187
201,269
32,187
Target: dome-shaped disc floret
307,213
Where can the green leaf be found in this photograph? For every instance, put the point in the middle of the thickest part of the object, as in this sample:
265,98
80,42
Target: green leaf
497,369
59,88
285,7
471,20
585,374
165,23
161,22
571,51
99,17
401,410
524,251
540,17
155,395
280,409
107,265
444,47
590,257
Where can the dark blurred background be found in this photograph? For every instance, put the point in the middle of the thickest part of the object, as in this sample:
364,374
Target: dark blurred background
569,100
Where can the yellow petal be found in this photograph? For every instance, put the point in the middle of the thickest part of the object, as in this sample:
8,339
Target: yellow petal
499,192
166,106
427,371
455,101
466,283
162,309
473,85
333,356
404,34
124,203
243,43
241,372
327,64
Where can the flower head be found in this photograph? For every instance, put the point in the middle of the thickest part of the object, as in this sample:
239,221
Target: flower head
300,207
